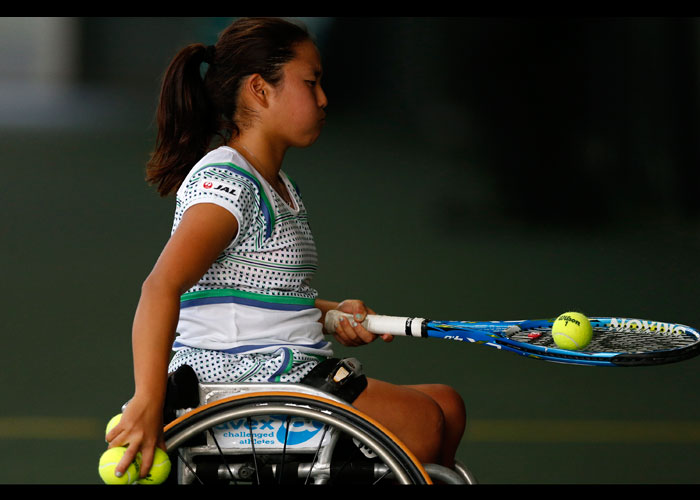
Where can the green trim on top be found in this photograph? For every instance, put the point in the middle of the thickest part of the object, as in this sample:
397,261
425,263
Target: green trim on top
230,292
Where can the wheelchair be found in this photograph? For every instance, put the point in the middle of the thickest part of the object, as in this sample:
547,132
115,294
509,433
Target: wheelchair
284,434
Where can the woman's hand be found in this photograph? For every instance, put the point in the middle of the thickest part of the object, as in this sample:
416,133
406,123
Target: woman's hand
204,231
140,429
351,332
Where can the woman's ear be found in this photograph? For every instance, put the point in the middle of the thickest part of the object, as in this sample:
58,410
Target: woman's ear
257,89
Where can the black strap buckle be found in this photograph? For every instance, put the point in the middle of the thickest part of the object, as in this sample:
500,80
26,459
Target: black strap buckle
340,377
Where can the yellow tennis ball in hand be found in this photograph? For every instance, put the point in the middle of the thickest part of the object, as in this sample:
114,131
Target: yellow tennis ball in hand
109,461
159,470
572,331
112,422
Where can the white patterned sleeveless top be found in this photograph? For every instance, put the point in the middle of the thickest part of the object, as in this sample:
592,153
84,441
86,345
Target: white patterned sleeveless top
256,296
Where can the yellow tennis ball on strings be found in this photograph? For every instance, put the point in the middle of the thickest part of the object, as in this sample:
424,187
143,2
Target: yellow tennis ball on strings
160,470
572,331
109,461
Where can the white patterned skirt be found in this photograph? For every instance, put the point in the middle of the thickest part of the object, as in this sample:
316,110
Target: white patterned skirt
283,365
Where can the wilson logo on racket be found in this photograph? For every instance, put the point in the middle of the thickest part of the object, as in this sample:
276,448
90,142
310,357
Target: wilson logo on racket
646,326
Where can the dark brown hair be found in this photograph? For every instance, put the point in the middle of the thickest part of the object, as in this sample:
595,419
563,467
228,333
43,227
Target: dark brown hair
193,109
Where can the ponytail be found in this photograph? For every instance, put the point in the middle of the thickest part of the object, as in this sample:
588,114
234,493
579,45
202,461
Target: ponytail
186,119
193,110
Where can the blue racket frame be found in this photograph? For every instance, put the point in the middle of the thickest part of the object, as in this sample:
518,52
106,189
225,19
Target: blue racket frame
498,334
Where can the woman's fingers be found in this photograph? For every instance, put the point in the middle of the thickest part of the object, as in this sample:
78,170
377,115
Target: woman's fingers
351,333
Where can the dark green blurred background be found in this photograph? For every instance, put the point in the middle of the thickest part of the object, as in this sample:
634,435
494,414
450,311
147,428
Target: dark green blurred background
470,169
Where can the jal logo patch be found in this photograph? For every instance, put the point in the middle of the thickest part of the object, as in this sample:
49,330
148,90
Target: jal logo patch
223,188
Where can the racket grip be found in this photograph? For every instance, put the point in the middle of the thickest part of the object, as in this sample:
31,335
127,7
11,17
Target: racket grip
374,323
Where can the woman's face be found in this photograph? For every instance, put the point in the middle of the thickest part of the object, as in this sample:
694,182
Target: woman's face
297,104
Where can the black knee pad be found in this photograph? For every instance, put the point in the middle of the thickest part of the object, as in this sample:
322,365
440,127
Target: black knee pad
340,377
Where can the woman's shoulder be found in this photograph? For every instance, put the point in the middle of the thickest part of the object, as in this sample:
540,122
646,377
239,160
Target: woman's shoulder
226,158
223,164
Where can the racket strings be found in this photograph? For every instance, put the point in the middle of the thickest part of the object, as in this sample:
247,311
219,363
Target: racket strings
607,340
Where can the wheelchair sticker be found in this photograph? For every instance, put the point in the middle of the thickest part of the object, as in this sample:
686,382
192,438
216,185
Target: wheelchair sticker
269,432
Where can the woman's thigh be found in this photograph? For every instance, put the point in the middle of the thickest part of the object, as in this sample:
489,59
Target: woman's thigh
412,415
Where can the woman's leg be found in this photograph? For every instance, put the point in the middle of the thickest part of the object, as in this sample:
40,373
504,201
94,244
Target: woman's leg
454,413
426,418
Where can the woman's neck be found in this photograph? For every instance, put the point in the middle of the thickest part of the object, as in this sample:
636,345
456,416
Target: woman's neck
264,158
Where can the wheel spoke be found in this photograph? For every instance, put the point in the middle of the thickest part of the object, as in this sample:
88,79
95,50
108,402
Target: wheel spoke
318,450
252,447
186,464
223,457
386,473
280,473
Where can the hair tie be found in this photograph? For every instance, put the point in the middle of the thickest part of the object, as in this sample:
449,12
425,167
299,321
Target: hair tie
209,54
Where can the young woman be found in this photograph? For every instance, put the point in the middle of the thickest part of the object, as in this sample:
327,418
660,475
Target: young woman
233,279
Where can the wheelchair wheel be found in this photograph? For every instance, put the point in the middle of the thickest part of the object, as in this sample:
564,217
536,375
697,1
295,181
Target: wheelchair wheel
286,438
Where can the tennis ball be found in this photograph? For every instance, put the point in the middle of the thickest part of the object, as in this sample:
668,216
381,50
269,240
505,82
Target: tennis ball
112,422
159,470
109,461
572,331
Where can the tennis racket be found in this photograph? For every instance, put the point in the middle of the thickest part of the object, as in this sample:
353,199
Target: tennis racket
616,341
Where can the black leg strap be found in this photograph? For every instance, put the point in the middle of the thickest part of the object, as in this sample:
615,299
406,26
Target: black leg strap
340,377
181,392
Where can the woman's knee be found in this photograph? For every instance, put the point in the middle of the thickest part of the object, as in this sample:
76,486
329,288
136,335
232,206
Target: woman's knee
447,398
414,416
400,403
